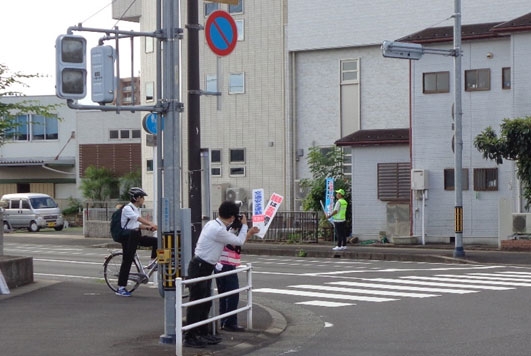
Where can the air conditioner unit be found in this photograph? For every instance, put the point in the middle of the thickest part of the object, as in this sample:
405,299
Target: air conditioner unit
522,223
217,195
236,194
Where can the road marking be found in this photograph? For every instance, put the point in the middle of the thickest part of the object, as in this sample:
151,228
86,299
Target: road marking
406,288
67,276
436,284
466,282
67,261
323,303
364,291
322,295
490,277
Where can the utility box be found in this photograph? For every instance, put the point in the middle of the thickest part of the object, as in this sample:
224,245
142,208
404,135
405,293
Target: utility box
419,179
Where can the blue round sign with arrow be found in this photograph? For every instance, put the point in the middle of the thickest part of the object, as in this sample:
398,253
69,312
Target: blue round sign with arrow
149,123
221,32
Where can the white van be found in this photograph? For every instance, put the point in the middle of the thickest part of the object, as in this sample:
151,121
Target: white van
31,211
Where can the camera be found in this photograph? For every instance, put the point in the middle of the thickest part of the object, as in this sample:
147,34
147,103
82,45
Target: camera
237,223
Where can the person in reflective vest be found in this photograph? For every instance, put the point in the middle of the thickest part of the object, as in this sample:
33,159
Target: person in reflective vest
339,215
229,261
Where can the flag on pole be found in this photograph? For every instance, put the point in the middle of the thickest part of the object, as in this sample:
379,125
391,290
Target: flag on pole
329,195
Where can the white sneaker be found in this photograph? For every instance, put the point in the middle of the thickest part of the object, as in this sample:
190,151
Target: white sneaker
337,248
344,247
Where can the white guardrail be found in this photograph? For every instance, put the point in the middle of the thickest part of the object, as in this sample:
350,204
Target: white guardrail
179,305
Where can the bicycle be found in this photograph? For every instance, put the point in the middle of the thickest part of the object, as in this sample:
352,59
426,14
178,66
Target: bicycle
139,274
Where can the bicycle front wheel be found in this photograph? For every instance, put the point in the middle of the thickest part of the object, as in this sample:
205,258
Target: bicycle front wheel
111,271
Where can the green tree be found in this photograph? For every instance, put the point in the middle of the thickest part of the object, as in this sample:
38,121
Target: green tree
132,179
10,111
99,184
323,165
514,143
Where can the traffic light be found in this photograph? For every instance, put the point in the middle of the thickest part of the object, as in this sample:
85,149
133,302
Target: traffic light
71,67
102,74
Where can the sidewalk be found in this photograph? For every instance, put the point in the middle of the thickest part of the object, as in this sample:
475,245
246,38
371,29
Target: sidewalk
86,318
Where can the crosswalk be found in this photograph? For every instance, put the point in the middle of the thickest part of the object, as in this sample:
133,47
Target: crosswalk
343,293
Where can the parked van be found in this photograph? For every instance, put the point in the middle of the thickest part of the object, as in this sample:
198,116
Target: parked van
31,211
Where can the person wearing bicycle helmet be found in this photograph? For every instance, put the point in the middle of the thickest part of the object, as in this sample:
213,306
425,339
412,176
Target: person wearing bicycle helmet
133,222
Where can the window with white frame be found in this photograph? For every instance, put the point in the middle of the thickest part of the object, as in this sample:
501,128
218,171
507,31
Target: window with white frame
215,162
236,9
149,45
240,28
237,83
33,128
237,161
124,134
210,7
349,89
150,91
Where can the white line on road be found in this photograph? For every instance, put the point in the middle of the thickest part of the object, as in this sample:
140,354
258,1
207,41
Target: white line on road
406,288
364,291
321,295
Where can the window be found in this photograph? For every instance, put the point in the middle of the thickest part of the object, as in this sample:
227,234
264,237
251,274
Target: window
240,28
210,7
347,161
349,71
506,78
236,9
215,156
485,179
237,83
124,134
394,181
237,155
150,91
149,165
211,83
449,179
437,82
149,45
215,161
477,79
237,171
33,128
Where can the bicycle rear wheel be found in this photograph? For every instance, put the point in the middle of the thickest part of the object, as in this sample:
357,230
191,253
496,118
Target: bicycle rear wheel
111,271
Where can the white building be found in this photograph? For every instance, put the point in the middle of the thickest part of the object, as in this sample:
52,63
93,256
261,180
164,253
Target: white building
49,155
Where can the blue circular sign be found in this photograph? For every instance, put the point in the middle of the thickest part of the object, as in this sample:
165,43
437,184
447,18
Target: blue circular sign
221,32
149,123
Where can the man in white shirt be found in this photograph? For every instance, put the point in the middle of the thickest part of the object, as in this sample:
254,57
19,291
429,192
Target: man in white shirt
214,236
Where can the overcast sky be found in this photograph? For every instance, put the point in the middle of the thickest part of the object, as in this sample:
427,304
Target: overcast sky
29,28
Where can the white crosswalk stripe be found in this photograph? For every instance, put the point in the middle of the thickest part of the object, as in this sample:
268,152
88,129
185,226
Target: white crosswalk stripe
394,289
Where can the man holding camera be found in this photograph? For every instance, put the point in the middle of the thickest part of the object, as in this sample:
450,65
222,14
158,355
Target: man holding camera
214,236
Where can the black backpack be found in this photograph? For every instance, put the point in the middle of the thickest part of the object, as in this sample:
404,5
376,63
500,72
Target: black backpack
116,225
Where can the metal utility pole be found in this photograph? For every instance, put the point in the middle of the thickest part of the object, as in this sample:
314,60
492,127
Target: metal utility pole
171,222
194,125
458,155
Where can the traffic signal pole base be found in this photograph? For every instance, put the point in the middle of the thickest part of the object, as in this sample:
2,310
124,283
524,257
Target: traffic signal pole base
167,339
459,252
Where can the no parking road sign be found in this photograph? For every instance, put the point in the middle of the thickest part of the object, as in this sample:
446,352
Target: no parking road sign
221,32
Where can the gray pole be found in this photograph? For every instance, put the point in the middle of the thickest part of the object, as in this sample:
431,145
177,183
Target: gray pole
171,147
458,155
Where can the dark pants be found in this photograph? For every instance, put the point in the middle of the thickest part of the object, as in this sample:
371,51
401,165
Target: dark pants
340,230
199,312
129,246
229,303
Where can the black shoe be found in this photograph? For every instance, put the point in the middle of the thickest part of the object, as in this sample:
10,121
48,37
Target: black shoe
235,328
195,342
210,339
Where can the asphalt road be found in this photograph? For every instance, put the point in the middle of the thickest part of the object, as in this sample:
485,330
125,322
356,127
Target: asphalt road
357,307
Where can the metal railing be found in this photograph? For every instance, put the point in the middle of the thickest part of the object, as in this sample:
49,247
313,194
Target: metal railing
179,305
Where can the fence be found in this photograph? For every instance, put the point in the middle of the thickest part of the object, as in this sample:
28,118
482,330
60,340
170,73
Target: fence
287,226
179,305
